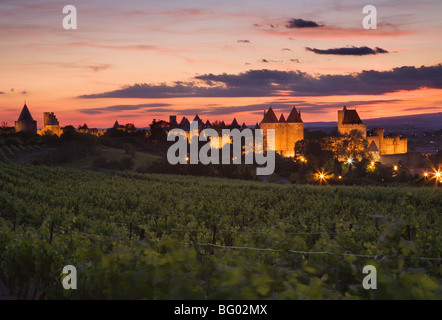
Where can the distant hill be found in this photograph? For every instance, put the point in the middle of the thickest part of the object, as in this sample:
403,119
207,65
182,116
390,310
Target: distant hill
419,122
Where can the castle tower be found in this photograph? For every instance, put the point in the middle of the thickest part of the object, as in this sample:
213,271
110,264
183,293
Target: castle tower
51,124
46,116
50,119
270,121
25,122
172,122
287,132
348,120
374,151
295,131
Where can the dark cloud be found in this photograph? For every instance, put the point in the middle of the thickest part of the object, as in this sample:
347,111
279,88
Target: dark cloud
295,60
349,51
420,108
124,107
286,49
243,41
1,92
268,61
267,83
301,23
24,92
12,89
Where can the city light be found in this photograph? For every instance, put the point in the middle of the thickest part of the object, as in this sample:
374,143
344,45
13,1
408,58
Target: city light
436,174
372,163
321,176
349,160
340,177
395,168
302,159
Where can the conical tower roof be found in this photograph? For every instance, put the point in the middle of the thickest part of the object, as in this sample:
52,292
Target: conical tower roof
282,119
269,116
295,116
351,117
198,119
244,126
207,124
373,147
25,115
185,124
116,124
234,124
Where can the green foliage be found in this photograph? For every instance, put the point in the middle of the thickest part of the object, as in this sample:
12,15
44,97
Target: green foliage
98,218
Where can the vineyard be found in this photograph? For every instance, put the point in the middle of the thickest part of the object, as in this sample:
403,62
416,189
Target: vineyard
140,236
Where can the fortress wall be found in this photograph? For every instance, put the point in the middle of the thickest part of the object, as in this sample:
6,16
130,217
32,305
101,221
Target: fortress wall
401,146
347,128
394,145
413,159
52,129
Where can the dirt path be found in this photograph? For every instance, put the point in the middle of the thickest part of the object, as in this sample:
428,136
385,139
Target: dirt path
4,294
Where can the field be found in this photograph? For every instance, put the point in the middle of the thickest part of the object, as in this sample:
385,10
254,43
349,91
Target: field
139,236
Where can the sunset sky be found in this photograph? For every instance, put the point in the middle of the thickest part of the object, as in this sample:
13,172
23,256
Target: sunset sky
136,60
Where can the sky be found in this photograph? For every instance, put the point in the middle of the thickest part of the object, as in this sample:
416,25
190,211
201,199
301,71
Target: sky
136,60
